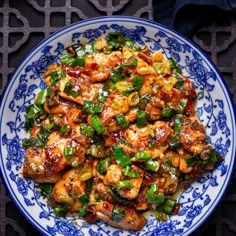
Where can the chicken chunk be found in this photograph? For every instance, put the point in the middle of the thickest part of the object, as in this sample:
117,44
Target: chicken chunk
100,191
55,155
113,175
150,84
47,162
137,137
35,168
101,65
114,105
56,105
161,131
74,85
129,219
69,187
192,135
141,201
132,193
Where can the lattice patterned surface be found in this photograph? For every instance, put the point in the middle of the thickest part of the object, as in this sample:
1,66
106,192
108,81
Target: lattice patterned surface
24,23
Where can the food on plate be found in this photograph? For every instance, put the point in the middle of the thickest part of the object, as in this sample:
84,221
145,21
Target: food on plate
114,134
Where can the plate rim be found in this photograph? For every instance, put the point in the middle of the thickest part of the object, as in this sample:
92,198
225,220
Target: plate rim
131,19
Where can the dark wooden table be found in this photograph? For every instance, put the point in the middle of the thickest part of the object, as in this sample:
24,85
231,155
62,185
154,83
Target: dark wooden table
23,23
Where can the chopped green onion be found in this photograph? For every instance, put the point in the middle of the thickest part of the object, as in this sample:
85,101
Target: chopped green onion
132,61
97,150
62,73
34,110
132,45
31,122
39,141
141,119
65,129
59,211
68,152
169,161
80,59
131,173
75,164
53,125
86,130
102,94
190,161
138,82
92,108
121,158
152,165
167,206
152,197
72,61
66,59
174,142
97,124
117,40
103,165
70,90
159,68
118,198
43,134
142,156
41,97
121,121
123,184
88,186
84,199
173,170
128,91
46,189
32,142
160,216
114,78
212,158
178,124
180,82
168,112
54,77
117,214
83,211
174,66
86,49
182,104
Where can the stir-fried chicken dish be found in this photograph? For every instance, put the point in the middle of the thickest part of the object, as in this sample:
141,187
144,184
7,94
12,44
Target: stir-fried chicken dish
114,134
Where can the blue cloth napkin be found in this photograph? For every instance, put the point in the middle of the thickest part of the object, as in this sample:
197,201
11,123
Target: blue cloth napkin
186,16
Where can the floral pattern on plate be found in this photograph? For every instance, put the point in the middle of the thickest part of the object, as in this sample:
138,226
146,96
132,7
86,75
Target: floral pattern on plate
214,109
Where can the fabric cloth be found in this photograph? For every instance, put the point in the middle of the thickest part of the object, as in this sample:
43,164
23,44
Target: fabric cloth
185,16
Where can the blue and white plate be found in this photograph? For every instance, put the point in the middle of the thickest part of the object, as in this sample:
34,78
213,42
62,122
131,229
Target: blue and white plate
214,108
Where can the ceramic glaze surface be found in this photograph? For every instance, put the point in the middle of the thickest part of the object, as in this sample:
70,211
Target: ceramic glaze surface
214,109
